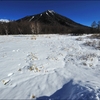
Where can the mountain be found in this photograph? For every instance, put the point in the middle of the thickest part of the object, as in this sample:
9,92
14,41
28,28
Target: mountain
51,17
52,22
47,22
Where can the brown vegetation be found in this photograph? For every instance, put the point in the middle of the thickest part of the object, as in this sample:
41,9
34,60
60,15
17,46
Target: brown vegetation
95,36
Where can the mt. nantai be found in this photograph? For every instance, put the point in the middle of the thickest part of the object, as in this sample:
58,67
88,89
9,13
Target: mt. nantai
46,22
51,17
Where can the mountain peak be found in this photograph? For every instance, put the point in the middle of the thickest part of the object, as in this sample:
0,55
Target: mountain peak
50,11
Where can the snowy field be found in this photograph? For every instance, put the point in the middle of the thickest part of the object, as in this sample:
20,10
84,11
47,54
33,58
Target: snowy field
49,67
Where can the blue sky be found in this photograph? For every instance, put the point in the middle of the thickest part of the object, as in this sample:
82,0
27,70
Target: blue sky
83,12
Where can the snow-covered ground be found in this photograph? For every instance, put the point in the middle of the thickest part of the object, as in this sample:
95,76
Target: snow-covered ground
49,67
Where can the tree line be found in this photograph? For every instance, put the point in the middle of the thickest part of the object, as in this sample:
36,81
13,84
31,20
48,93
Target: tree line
36,27
26,27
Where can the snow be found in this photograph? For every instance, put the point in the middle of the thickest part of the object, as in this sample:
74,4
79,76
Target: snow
10,74
51,11
31,18
49,67
40,14
47,13
4,20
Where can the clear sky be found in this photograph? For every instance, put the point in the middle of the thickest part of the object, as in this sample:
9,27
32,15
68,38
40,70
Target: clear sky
83,12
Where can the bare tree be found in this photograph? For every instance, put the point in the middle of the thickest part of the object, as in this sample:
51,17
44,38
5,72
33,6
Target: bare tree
94,24
98,26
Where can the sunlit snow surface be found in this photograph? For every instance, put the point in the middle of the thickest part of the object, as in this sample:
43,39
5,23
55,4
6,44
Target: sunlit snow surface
49,67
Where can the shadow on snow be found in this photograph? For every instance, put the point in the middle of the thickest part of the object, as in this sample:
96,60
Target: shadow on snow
72,91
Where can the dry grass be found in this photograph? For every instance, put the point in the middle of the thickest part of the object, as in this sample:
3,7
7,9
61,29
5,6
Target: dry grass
94,36
94,43
88,59
33,56
36,69
88,56
90,43
33,96
33,37
19,69
79,39
5,81
31,68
